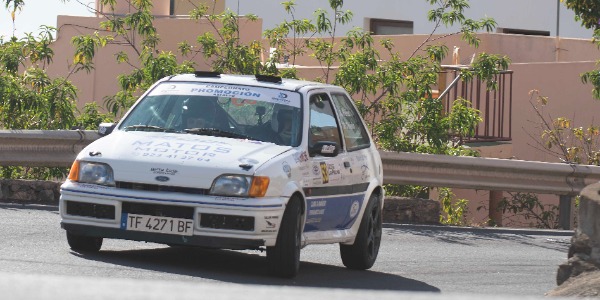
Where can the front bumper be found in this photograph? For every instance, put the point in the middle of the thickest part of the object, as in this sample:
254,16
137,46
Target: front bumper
218,222
170,239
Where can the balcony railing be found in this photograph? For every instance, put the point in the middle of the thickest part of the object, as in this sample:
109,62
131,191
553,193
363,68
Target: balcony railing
495,106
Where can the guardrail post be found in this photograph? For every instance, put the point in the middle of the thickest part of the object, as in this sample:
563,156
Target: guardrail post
565,209
495,214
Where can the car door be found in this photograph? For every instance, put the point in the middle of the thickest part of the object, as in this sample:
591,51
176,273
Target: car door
328,206
357,143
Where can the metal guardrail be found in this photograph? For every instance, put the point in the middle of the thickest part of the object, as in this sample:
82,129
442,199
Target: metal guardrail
58,148
42,148
487,173
49,148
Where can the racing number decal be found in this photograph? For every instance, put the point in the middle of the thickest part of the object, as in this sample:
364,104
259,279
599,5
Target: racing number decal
324,172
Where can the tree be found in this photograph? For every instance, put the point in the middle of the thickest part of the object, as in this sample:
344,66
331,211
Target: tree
588,13
30,98
394,96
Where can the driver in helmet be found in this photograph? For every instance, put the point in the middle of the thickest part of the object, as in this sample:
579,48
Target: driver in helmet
284,126
198,113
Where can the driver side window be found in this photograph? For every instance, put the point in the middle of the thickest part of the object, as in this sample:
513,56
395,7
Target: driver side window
323,124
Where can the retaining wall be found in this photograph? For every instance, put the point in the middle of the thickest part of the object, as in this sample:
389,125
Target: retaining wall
584,253
29,191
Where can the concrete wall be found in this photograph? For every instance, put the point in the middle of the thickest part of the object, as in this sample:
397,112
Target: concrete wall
102,82
516,14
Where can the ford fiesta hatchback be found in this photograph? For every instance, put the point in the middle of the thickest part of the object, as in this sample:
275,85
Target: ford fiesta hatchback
232,162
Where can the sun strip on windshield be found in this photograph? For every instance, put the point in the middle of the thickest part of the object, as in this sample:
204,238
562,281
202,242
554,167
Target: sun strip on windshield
232,91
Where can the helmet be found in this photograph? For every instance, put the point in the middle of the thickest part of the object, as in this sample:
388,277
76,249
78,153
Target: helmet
198,112
281,122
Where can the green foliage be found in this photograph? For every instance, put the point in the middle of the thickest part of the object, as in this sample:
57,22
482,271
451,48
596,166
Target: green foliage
463,119
455,210
411,191
37,173
487,66
529,207
560,138
126,30
397,90
226,51
29,98
592,77
92,117
395,96
588,13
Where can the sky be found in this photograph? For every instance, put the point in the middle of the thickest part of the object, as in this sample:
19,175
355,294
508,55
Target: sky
39,12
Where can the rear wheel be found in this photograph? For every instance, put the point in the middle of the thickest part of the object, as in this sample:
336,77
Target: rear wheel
284,258
82,243
363,253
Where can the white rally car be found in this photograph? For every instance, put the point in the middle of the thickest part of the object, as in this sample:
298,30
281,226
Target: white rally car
232,162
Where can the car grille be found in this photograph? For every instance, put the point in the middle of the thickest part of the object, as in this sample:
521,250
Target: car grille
160,188
99,211
227,222
158,210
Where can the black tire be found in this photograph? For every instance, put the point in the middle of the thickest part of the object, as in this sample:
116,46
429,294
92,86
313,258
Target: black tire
82,243
362,254
284,258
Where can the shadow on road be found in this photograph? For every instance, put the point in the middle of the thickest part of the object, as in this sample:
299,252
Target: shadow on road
247,268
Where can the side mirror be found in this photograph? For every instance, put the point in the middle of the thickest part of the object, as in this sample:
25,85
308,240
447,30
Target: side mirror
106,128
324,148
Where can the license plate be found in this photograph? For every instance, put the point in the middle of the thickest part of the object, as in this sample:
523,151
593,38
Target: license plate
158,224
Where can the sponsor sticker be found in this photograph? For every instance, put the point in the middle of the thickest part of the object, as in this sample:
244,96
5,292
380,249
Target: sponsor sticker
328,149
163,171
354,209
287,169
324,172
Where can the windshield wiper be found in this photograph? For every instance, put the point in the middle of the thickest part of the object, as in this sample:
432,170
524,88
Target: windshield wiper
217,132
148,128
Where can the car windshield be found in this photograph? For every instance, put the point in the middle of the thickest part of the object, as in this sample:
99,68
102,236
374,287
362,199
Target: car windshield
262,114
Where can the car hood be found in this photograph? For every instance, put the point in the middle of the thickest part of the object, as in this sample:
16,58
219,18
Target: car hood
178,159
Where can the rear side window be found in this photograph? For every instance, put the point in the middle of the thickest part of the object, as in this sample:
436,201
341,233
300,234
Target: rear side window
355,134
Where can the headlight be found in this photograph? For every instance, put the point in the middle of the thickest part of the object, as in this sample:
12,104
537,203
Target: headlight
91,172
240,186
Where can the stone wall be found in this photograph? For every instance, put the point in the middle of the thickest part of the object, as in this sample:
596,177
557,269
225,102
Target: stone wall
411,210
584,253
29,191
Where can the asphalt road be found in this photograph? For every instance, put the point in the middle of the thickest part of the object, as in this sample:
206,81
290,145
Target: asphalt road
414,259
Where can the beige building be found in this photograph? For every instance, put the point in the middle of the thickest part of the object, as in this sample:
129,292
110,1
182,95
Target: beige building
551,65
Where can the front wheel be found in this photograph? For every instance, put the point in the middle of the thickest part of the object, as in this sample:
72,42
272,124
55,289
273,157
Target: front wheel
362,254
284,258
82,243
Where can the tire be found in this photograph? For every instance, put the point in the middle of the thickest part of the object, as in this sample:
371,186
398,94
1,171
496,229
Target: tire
362,254
82,243
283,259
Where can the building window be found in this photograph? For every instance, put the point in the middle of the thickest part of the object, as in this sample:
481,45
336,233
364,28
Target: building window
390,27
183,7
523,31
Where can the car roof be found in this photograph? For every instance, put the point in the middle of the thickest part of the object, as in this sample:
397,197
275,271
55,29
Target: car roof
250,80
